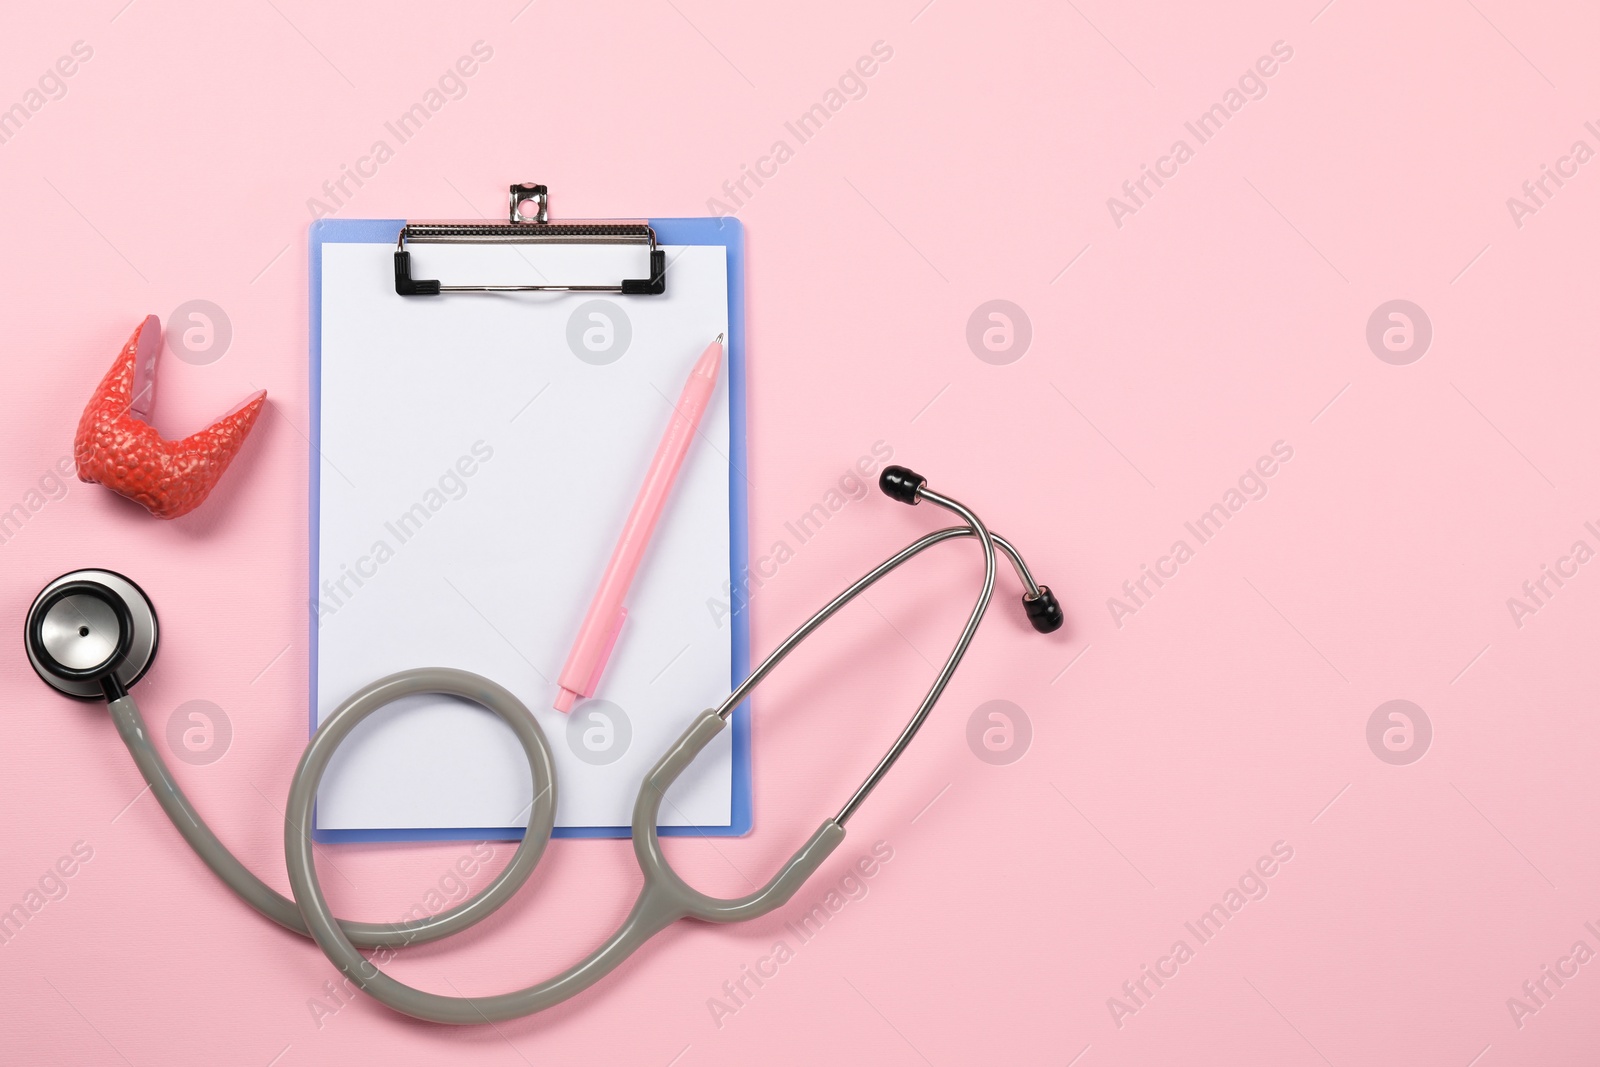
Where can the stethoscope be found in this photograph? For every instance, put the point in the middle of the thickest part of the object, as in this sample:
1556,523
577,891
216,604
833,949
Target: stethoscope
93,634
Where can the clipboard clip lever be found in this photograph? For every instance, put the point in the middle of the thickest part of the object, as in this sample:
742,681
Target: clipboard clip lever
529,223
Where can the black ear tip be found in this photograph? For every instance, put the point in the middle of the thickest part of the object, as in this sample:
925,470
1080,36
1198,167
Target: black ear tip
1044,611
902,484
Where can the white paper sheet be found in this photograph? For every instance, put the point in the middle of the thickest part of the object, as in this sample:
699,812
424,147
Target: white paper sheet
475,474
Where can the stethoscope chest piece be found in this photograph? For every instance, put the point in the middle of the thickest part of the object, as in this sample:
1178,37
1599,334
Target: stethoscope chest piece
88,629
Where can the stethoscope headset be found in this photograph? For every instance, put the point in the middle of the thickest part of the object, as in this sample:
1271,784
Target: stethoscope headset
93,634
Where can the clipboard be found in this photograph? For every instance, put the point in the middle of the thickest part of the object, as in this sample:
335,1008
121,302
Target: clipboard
652,249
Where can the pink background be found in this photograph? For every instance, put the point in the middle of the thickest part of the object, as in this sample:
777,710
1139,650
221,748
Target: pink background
1167,754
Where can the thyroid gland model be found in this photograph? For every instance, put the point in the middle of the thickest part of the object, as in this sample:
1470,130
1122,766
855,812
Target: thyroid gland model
118,448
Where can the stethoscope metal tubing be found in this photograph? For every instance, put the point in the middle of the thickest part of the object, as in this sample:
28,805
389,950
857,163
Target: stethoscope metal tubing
950,663
974,528
733,699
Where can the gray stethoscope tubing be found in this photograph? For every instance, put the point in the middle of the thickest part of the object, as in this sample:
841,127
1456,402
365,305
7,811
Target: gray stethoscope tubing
664,897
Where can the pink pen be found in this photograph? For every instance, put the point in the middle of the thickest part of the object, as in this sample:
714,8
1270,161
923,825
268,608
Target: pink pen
598,635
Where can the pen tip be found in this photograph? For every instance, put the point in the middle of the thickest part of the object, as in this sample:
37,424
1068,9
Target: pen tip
719,338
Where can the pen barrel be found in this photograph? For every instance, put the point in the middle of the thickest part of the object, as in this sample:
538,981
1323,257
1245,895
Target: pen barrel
652,501
605,610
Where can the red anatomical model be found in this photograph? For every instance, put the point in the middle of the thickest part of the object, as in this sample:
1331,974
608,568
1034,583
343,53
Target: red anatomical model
116,447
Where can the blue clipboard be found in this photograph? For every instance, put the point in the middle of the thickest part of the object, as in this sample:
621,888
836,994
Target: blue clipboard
727,232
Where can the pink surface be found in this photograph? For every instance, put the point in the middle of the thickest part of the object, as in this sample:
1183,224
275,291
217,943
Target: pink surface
1174,340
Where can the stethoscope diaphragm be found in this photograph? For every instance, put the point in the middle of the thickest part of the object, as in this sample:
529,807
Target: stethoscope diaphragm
88,624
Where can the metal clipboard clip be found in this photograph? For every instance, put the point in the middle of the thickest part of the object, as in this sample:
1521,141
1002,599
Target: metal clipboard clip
524,227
